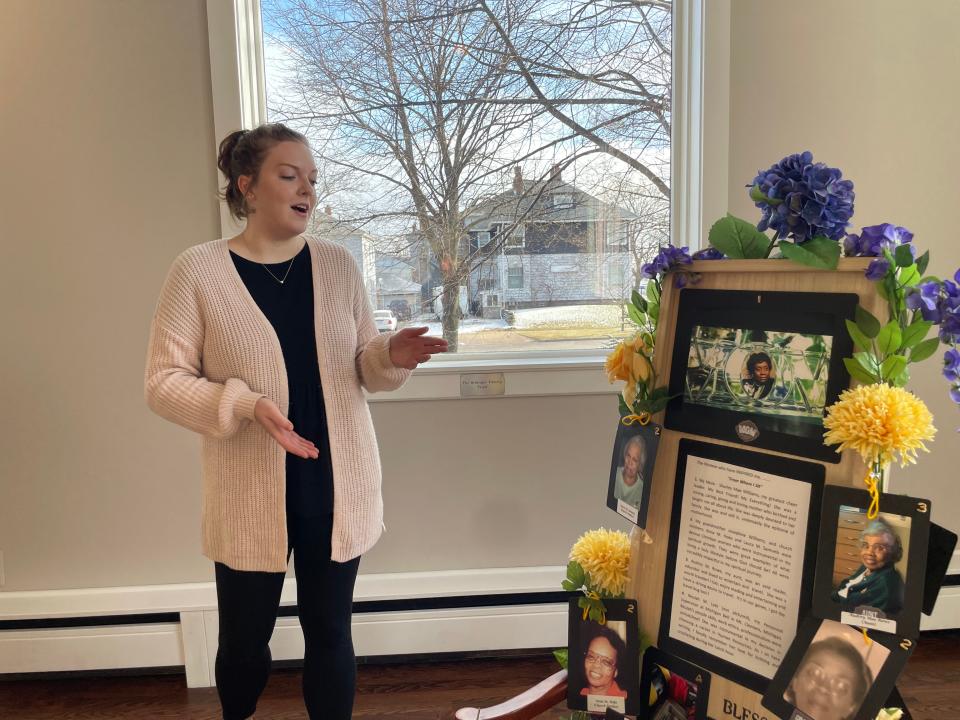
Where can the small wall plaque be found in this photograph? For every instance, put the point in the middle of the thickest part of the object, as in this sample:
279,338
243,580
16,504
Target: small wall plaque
482,384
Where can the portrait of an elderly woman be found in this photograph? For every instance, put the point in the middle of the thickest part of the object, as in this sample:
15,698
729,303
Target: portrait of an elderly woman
877,582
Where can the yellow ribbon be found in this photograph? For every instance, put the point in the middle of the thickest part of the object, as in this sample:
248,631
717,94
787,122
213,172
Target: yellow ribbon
866,638
603,613
643,418
871,482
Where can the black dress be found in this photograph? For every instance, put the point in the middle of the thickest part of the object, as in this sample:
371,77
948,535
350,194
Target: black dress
289,308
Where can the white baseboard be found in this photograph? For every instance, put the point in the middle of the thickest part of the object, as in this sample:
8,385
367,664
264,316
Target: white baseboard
192,643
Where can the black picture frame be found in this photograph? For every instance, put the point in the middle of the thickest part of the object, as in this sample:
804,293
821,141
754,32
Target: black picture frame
849,506
774,421
649,437
693,675
580,634
898,649
793,469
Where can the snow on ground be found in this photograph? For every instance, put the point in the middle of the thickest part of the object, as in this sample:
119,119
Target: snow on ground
549,317
568,316
467,325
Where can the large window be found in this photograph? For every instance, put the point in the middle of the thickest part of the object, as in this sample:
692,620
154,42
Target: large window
458,143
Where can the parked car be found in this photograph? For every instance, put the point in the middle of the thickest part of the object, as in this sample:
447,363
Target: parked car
385,319
401,308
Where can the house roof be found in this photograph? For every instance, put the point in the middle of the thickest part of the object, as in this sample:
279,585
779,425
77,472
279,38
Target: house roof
535,204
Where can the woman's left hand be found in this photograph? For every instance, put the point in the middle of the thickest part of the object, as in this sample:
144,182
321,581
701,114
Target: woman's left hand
410,347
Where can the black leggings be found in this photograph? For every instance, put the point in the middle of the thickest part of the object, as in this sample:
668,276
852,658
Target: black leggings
248,601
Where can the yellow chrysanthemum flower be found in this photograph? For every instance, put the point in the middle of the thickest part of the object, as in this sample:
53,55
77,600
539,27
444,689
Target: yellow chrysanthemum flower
605,556
881,422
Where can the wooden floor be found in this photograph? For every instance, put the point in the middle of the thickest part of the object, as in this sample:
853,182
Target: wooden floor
930,686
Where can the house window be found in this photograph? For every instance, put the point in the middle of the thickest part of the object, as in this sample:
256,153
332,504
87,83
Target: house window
385,185
616,273
515,237
492,300
487,284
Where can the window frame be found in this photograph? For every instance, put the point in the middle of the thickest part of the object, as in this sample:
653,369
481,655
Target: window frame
239,100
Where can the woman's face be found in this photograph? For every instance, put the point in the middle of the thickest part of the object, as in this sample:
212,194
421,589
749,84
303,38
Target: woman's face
824,687
284,194
631,461
876,550
600,665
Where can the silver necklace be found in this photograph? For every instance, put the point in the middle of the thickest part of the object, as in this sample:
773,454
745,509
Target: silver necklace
292,260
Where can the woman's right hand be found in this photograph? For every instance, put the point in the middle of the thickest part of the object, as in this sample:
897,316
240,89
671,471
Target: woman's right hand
281,429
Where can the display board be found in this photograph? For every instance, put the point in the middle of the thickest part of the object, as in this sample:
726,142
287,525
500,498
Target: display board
730,482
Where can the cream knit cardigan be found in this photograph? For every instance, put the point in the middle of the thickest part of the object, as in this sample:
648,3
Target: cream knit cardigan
212,354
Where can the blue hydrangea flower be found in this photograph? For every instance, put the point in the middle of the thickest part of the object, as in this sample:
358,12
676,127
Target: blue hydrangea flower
874,239
710,253
804,199
877,269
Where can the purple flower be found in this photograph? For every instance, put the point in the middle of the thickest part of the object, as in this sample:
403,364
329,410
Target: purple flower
951,365
874,239
710,253
803,199
955,393
877,269
925,298
948,306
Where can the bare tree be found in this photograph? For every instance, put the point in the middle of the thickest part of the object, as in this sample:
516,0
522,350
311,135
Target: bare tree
425,107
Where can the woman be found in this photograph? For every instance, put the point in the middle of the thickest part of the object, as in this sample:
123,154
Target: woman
876,583
629,483
601,662
831,681
261,343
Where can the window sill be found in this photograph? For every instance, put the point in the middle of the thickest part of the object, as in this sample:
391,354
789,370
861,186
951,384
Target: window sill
540,375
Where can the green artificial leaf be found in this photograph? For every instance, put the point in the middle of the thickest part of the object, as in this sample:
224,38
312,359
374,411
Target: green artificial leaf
888,341
922,262
819,252
924,349
858,372
903,378
914,333
882,290
867,322
562,656
867,361
575,573
624,408
859,339
903,256
568,586
595,614
737,238
655,406
635,315
659,393
653,295
909,275
653,311
930,278
892,367
638,301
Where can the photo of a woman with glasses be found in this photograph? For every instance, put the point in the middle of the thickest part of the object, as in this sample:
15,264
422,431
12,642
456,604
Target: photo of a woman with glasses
877,582
603,650
834,676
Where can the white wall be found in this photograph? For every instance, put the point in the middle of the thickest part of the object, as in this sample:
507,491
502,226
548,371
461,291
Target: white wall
869,86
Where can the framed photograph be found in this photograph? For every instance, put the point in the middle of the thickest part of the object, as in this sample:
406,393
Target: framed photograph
631,470
831,672
675,689
939,554
871,572
743,544
602,671
759,368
